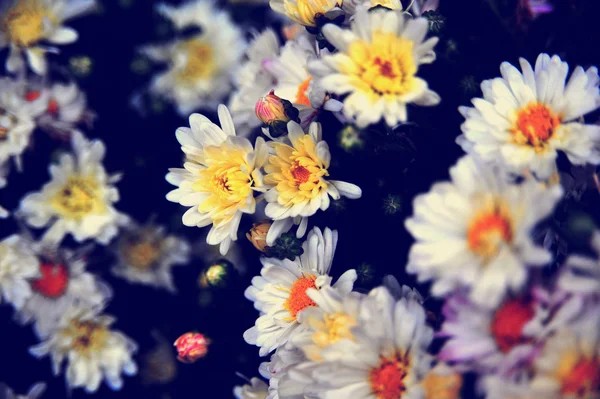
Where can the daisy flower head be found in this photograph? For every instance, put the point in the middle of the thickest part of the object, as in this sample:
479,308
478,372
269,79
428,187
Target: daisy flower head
304,12
253,81
219,178
16,120
34,392
93,351
297,178
198,67
25,25
386,359
474,232
377,66
61,281
256,389
18,264
146,255
280,292
79,199
525,118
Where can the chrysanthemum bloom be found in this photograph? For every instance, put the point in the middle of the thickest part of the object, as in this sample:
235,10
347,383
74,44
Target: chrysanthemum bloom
253,81
386,359
256,389
93,351
61,281
18,264
221,175
524,119
34,392
486,340
280,292
581,274
474,232
79,199
146,255
304,12
297,176
16,120
26,24
377,66
199,67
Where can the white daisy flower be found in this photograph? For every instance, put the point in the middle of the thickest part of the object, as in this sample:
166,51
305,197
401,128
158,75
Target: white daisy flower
581,274
16,120
376,66
79,199
146,255
253,81
526,117
62,280
34,392
26,24
294,81
296,175
18,264
199,68
93,351
282,362
386,359
220,176
256,389
475,232
280,292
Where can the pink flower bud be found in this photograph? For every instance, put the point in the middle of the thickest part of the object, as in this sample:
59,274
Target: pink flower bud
191,347
271,108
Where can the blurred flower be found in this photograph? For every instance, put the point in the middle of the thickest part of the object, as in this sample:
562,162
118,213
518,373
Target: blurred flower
81,65
280,291
221,175
380,82
258,235
79,198
528,10
275,112
199,67
296,176
304,12
18,264
419,7
474,232
349,138
160,366
253,81
257,389
286,246
442,383
92,350
35,392
61,281
146,255
538,117
26,24
16,120
191,347
218,274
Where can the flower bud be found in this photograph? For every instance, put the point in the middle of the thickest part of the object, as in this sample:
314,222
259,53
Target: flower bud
276,112
258,235
191,347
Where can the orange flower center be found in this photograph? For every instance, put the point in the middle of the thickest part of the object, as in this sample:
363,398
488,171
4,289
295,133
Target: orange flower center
300,173
298,300
508,322
385,68
487,231
535,125
583,380
301,95
387,379
32,95
54,280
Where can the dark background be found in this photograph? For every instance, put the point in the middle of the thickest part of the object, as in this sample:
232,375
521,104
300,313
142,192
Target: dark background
392,165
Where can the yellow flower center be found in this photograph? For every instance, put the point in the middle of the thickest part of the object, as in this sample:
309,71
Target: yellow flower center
79,197
24,22
305,11
535,125
296,172
302,94
298,300
200,61
141,254
227,178
385,66
440,386
489,228
387,379
87,336
332,329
